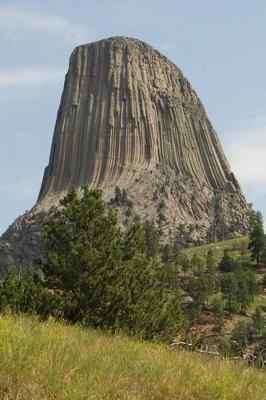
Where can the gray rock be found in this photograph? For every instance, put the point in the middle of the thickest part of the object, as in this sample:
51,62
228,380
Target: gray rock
128,117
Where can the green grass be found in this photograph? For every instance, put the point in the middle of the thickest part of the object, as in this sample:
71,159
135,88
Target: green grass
234,245
49,360
259,301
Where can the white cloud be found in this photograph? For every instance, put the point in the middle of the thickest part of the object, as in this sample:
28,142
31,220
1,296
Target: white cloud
30,76
246,150
16,22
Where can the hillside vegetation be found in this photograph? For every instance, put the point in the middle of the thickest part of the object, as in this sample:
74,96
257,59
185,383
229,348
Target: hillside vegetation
234,245
49,360
103,277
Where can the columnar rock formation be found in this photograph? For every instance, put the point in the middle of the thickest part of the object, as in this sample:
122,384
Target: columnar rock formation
129,118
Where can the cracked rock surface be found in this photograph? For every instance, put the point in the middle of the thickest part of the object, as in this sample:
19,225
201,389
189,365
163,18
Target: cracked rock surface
129,118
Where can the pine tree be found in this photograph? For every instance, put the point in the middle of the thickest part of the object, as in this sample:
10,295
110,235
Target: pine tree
104,275
197,263
211,275
83,250
177,256
244,253
258,322
167,254
118,195
257,239
218,310
185,263
151,238
229,290
246,286
27,294
197,288
227,263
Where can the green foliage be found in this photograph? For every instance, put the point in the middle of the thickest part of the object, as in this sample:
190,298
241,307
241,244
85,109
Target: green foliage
211,275
104,275
167,253
177,255
257,241
229,290
258,322
250,337
241,334
183,235
121,199
202,285
227,263
235,246
247,287
239,288
173,258
197,263
197,288
151,239
26,294
244,256
185,263
218,311
81,241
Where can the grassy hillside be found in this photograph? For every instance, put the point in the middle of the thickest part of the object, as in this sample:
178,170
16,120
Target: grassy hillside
55,361
234,245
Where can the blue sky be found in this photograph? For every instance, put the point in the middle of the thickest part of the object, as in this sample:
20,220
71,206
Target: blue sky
219,45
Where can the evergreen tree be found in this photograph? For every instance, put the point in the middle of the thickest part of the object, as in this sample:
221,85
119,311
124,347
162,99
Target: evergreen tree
230,291
197,263
211,275
244,253
257,239
239,288
197,288
227,263
124,196
218,310
252,216
263,255
118,195
177,255
10,296
83,250
133,241
246,287
167,254
182,235
27,294
258,322
151,238
104,275
185,263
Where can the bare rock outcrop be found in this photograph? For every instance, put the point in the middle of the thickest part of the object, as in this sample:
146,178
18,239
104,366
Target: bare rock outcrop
129,118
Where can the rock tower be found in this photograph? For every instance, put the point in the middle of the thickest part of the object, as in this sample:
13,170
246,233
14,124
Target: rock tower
129,119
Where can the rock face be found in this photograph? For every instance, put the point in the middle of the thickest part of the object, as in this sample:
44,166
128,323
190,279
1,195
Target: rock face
128,118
